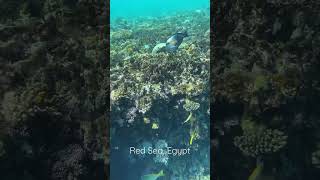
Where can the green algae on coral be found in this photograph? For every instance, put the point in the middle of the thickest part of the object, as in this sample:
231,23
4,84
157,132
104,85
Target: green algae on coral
260,83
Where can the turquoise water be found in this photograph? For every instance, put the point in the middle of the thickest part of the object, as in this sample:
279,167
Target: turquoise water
140,8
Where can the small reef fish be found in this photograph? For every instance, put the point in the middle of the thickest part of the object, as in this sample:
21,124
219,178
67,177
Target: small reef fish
152,176
193,135
146,120
188,118
257,173
174,41
155,126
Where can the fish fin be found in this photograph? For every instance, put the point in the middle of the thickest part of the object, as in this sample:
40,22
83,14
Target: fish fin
161,173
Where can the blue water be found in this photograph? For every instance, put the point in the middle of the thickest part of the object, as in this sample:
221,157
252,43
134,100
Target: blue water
154,8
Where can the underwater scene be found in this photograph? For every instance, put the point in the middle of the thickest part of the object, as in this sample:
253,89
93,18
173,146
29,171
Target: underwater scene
265,69
159,80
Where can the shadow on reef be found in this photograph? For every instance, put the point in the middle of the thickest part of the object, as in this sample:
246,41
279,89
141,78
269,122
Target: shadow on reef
265,90
54,89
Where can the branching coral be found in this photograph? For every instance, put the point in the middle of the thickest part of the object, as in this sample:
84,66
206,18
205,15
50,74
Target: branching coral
232,86
287,85
257,141
191,105
154,77
70,163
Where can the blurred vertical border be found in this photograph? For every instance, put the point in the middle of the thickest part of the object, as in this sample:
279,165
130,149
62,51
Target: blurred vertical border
265,89
54,89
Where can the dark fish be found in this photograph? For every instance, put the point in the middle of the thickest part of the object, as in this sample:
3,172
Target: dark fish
174,41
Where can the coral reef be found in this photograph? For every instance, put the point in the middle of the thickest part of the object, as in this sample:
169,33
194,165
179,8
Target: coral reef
258,141
154,92
70,163
53,93
265,69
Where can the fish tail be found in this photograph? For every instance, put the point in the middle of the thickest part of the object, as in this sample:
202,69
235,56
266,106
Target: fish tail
161,173
191,140
255,173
